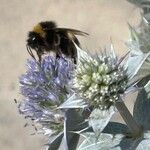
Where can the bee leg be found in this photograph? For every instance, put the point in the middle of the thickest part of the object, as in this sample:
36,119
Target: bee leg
39,58
30,52
56,46
75,61
39,55
73,53
57,40
57,56
39,52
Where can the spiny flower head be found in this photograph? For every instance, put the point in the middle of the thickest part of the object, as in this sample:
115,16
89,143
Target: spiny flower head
100,79
45,87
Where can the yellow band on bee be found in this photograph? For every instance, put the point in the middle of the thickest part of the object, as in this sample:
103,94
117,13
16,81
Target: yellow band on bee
38,29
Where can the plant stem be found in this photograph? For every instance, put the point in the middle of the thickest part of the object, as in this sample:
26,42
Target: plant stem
135,129
65,134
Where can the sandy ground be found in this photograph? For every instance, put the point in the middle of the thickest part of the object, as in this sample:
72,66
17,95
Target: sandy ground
102,19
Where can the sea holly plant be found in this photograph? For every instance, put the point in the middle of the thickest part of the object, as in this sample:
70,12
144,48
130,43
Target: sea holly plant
103,80
66,101
136,133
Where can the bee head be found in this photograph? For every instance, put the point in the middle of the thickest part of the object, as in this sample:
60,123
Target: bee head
35,40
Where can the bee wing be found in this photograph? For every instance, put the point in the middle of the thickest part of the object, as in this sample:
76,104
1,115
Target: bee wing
72,31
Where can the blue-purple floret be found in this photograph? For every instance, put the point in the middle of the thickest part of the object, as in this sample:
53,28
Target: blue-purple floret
44,87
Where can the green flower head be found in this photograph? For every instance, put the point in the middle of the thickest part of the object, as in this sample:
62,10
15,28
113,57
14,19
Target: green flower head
100,79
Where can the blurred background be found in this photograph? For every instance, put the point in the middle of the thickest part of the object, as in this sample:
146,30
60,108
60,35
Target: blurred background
102,19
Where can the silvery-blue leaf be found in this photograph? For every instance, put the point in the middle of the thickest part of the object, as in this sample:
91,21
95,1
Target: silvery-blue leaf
74,119
147,17
107,142
72,142
133,33
142,109
117,142
147,89
55,143
115,128
104,142
134,46
69,138
143,82
72,122
145,68
99,119
144,21
144,73
65,138
73,102
145,144
111,128
134,63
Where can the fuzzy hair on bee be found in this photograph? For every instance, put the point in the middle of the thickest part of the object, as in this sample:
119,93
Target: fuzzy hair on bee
46,37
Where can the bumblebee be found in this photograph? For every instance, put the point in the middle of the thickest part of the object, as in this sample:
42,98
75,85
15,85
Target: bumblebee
46,37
